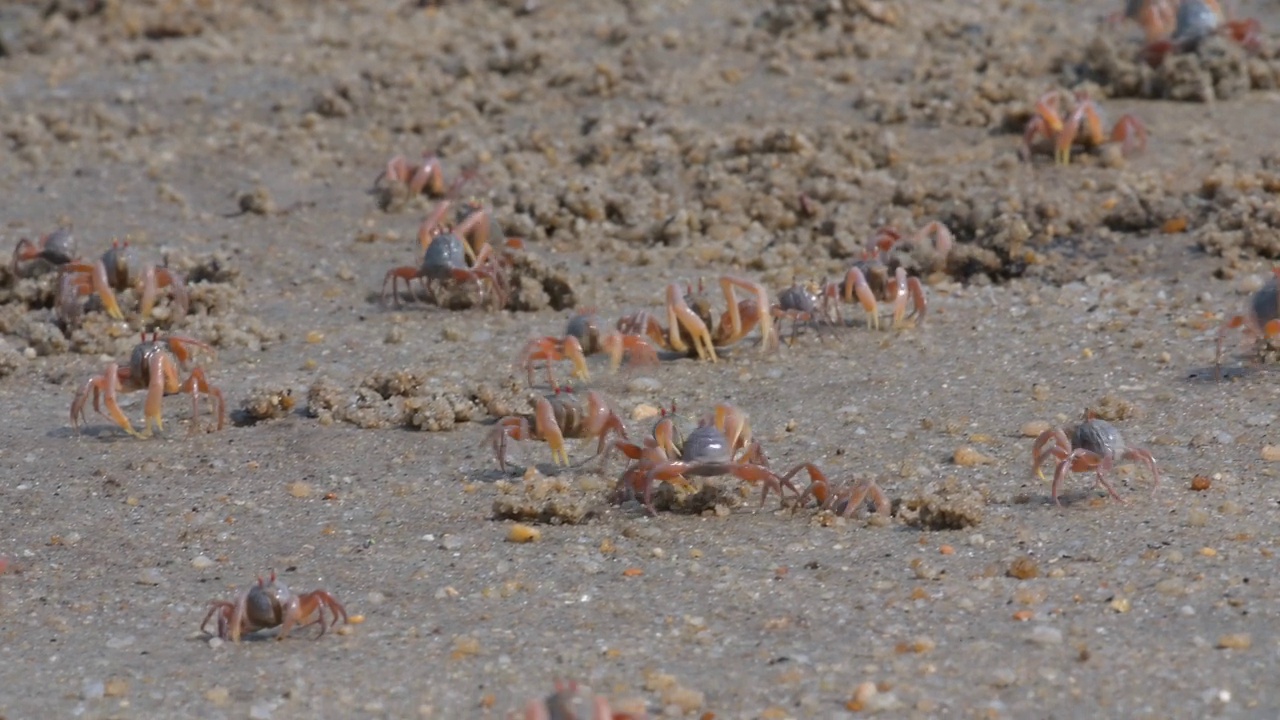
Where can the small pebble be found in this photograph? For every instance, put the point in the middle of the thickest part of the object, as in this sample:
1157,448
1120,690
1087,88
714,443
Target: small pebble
201,562
1034,428
93,690
1045,635
261,711
644,385
1270,453
966,456
645,411
299,489
1235,641
217,695
521,533
150,576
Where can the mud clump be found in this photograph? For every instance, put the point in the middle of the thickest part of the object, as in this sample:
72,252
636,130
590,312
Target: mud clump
267,403
408,398
946,505
705,497
1217,68
548,500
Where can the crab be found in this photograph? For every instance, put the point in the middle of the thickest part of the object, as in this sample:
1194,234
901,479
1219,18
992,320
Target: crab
800,304
449,257
57,249
153,366
117,270
583,337
1179,25
710,450
1261,319
845,501
870,281
556,417
425,176
1094,444
270,604
559,706
1082,126
692,327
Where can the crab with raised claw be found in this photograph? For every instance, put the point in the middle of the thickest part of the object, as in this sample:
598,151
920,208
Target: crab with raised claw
1094,444
1174,26
692,327
559,706
1082,126
710,450
582,338
117,270
155,366
270,604
556,417
56,248
1260,320
449,256
425,176
844,501
870,281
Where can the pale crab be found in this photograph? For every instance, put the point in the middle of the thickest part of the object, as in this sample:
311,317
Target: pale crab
154,366
801,304
710,450
1094,444
1173,26
583,337
270,604
560,706
1260,320
692,327
871,282
843,501
425,176
448,256
1082,126
556,417
57,248
117,270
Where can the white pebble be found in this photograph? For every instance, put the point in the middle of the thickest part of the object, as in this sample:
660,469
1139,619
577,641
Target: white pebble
116,643
1045,635
644,385
201,562
1187,611
93,690
150,576
261,711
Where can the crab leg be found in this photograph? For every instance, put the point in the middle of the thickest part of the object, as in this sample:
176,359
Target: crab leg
679,315
548,429
768,339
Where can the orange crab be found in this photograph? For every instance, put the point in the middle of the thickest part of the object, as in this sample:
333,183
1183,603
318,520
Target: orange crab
1176,25
556,417
871,282
1082,126
844,501
118,269
153,366
1260,320
710,450
57,249
691,324
583,337
425,176
459,253
1094,444
270,604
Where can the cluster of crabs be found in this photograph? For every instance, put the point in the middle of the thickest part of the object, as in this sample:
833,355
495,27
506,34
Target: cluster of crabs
719,445
463,245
